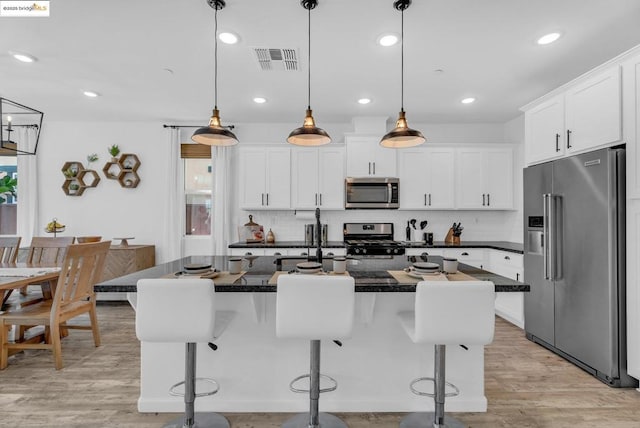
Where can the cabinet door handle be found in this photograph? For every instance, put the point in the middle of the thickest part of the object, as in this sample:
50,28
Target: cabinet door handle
277,253
517,276
374,168
425,199
429,199
267,199
568,138
316,199
248,253
488,199
557,142
507,258
369,168
320,199
483,200
464,254
262,203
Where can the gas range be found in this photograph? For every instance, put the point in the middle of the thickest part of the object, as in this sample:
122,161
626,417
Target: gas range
371,239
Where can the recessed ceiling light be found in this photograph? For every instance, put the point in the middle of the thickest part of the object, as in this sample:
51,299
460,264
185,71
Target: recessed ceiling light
364,101
468,100
548,38
228,38
259,100
388,40
23,57
91,94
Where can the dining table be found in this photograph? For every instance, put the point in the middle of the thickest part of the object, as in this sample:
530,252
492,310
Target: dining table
18,275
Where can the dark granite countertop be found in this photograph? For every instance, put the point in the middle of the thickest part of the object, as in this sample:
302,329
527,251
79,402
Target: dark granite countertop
285,244
370,274
496,245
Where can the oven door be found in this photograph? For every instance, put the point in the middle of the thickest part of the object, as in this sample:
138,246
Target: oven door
371,193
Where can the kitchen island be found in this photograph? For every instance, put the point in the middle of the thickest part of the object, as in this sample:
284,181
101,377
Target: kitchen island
254,368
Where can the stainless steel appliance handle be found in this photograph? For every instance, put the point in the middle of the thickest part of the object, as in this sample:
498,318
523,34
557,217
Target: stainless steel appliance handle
545,235
389,191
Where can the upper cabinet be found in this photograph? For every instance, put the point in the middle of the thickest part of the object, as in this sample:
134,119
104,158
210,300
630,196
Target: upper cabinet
586,116
545,130
484,178
317,178
265,177
427,178
367,158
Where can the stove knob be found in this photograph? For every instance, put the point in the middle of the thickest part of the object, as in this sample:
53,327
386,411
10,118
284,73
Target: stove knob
388,250
395,251
356,250
364,251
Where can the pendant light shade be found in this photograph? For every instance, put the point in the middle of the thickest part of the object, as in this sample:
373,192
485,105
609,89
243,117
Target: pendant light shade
215,134
402,136
309,134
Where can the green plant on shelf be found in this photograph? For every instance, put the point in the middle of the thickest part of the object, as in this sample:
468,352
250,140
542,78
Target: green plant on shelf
70,172
114,150
93,157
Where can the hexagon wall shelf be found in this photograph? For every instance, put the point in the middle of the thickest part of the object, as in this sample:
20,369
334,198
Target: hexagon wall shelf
77,178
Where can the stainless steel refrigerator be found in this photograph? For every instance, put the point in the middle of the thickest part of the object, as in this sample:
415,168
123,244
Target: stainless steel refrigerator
574,260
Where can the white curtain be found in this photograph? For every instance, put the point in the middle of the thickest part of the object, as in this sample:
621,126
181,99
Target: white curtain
174,204
27,190
221,200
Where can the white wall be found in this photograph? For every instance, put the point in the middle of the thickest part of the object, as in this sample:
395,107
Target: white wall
112,211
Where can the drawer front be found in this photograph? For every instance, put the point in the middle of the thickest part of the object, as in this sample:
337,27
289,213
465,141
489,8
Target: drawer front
419,251
506,258
463,254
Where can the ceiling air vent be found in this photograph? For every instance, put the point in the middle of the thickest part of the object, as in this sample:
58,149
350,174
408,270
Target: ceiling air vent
270,59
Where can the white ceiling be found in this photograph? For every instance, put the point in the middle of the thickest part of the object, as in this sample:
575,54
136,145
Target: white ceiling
486,48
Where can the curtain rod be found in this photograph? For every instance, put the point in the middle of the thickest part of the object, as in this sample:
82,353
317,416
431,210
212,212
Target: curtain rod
193,126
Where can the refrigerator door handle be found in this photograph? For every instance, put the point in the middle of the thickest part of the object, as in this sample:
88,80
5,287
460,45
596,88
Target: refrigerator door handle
545,235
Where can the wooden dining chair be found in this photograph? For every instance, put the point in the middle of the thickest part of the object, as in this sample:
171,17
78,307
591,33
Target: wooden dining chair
73,295
47,250
9,247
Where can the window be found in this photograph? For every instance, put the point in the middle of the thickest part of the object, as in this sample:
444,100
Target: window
198,183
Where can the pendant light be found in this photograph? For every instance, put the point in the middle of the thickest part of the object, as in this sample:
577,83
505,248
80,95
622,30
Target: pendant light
215,134
402,136
309,134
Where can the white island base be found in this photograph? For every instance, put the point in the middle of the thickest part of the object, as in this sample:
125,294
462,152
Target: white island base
254,367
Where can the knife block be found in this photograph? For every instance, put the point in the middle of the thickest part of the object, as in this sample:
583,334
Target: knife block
450,239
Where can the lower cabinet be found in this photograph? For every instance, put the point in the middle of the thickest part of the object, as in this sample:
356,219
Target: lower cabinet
471,256
509,306
285,251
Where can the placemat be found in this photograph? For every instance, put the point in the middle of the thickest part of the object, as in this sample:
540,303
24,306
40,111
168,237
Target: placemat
274,278
403,277
223,278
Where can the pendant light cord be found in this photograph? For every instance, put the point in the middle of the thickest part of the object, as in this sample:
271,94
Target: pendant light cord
402,61
215,65
309,61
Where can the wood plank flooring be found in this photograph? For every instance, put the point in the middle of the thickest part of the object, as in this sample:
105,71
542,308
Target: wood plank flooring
526,386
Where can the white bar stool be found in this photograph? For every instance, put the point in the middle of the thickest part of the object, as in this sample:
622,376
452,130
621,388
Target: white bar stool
447,313
314,308
181,311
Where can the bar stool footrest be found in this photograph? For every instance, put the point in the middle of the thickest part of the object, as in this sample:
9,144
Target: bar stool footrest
216,388
455,392
304,391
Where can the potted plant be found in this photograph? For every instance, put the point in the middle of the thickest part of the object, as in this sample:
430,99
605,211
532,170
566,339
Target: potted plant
7,188
114,151
70,172
74,187
93,157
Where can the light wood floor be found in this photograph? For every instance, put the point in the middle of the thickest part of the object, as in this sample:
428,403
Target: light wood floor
526,386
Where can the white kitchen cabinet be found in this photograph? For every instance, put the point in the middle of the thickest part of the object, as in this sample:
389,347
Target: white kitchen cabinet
317,178
428,251
471,256
509,306
587,116
545,131
593,112
367,158
484,178
265,178
257,251
427,178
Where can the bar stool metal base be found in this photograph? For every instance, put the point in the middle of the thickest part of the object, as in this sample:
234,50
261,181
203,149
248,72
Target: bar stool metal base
201,420
327,420
427,420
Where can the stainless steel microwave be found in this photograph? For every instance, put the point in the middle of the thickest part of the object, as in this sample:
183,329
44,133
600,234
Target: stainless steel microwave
372,193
